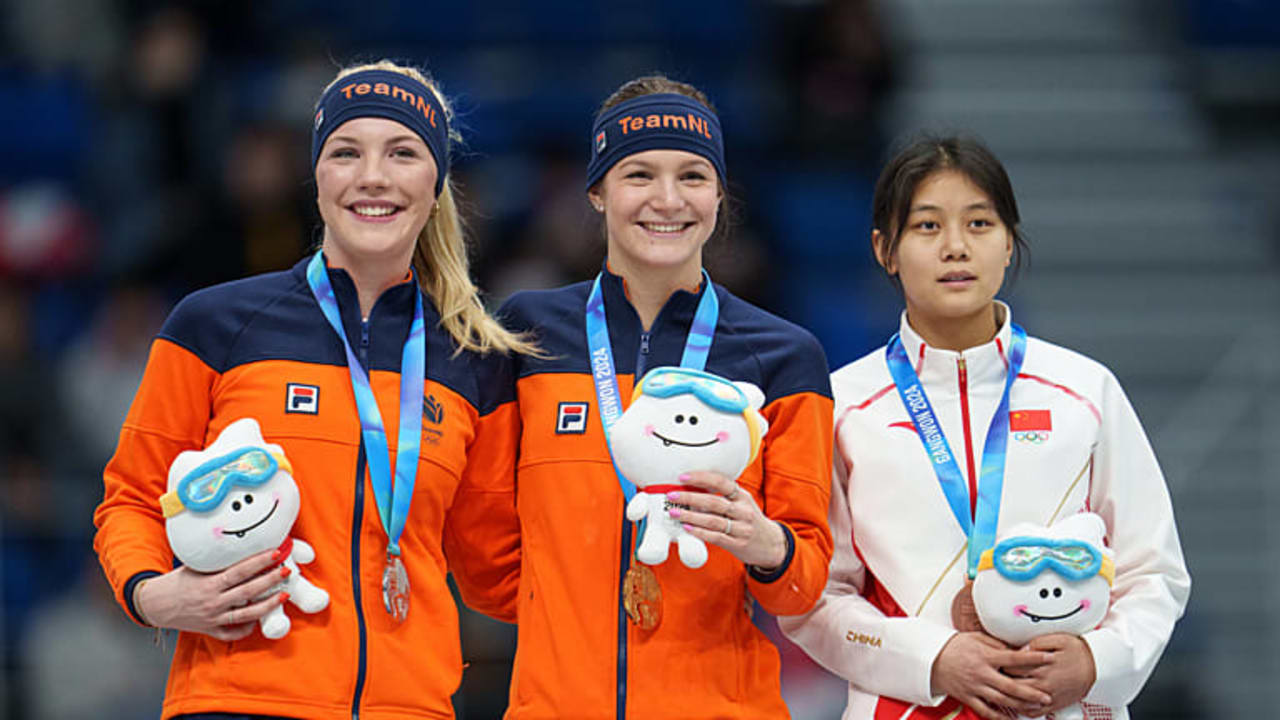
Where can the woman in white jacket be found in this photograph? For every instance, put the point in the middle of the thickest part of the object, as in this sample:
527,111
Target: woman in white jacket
1060,438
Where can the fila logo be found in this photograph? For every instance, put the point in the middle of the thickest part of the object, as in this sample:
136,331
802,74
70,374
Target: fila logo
432,410
571,418
601,142
301,398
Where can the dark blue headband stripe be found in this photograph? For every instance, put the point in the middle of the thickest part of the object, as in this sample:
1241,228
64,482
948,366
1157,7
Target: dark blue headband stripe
385,94
664,121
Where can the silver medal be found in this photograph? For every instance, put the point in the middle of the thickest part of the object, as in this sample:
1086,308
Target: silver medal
395,588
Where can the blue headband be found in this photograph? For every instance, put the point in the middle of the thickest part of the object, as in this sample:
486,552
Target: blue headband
385,94
664,121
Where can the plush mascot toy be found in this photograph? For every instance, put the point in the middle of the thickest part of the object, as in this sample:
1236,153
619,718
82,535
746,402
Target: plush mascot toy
682,420
233,499
1038,580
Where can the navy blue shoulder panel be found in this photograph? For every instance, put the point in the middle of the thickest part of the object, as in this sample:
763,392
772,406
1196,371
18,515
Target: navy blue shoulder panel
753,343
256,318
750,344
274,317
556,319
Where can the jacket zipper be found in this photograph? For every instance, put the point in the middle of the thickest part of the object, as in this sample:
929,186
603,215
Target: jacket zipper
358,514
621,711
968,437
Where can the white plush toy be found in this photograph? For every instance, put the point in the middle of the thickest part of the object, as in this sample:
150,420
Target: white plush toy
1037,581
682,420
233,499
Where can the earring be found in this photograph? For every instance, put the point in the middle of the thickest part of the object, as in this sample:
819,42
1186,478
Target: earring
599,208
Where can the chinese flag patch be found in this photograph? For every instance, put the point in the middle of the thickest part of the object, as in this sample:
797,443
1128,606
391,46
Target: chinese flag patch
1022,420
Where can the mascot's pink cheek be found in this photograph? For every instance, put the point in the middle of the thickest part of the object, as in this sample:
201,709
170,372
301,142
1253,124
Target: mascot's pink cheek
1085,603
722,436
1019,610
648,430
217,533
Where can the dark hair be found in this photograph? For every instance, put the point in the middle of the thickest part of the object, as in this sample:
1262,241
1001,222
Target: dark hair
653,85
926,155
658,83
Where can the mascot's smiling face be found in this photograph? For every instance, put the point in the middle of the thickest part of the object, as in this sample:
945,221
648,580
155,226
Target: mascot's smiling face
684,420
1039,581
233,499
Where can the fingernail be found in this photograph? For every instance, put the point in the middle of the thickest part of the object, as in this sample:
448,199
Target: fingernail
673,496
284,597
686,526
674,512
684,477
275,556
284,571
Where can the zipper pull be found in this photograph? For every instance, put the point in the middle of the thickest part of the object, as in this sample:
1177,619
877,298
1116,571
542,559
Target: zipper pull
364,333
644,343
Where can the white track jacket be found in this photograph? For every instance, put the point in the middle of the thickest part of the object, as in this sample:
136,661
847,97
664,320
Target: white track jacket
900,554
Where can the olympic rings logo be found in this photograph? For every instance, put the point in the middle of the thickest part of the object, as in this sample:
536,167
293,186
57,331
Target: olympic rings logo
1032,436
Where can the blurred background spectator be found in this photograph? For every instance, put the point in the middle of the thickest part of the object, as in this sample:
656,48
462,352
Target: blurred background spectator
150,148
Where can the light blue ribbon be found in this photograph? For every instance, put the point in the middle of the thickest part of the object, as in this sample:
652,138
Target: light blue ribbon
697,346
393,500
981,530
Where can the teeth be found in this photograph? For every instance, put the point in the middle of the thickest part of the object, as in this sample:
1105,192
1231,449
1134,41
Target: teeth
373,211
664,228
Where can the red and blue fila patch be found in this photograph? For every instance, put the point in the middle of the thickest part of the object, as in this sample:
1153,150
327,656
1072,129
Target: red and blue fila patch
299,398
571,418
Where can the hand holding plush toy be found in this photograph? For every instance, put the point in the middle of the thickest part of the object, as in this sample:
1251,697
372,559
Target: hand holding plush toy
681,420
234,499
1038,580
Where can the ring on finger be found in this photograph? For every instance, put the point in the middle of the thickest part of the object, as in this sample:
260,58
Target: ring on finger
728,526
732,496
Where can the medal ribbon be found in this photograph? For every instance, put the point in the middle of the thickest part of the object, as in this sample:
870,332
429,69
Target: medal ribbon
697,346
981,530
393,499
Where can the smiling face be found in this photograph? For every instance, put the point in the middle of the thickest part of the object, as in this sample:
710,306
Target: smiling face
952,252
249,520
657,439
660,206
1017,611
375,187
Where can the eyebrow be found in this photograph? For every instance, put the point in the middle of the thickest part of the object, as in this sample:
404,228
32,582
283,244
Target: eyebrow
389,141
983,205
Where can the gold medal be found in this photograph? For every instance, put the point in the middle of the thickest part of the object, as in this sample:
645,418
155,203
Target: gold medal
964,616
642,596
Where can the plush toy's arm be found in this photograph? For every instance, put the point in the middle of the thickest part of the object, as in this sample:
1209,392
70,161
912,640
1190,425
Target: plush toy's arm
851,637
793,474
302,552
638,507
170,413
1152,583
482,530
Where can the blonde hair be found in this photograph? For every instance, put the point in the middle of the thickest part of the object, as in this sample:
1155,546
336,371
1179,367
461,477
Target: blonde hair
440,256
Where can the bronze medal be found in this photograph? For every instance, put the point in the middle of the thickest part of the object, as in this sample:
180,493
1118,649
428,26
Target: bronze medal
642,596
964,616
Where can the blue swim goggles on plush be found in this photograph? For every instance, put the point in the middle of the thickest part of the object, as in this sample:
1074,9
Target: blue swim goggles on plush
205,487
1022,558
712,390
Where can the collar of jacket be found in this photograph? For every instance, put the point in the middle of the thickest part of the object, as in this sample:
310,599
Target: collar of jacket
678,309
389,318
984,364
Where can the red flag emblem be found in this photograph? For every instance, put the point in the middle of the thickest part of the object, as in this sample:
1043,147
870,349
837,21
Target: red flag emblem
1028,420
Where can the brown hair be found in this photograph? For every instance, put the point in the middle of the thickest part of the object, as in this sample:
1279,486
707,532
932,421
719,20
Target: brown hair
926,155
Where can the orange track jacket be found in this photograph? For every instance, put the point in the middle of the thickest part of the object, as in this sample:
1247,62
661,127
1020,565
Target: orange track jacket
578,655
233,351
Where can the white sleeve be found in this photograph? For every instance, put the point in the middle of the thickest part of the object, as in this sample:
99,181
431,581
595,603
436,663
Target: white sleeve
1151,584
845,633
